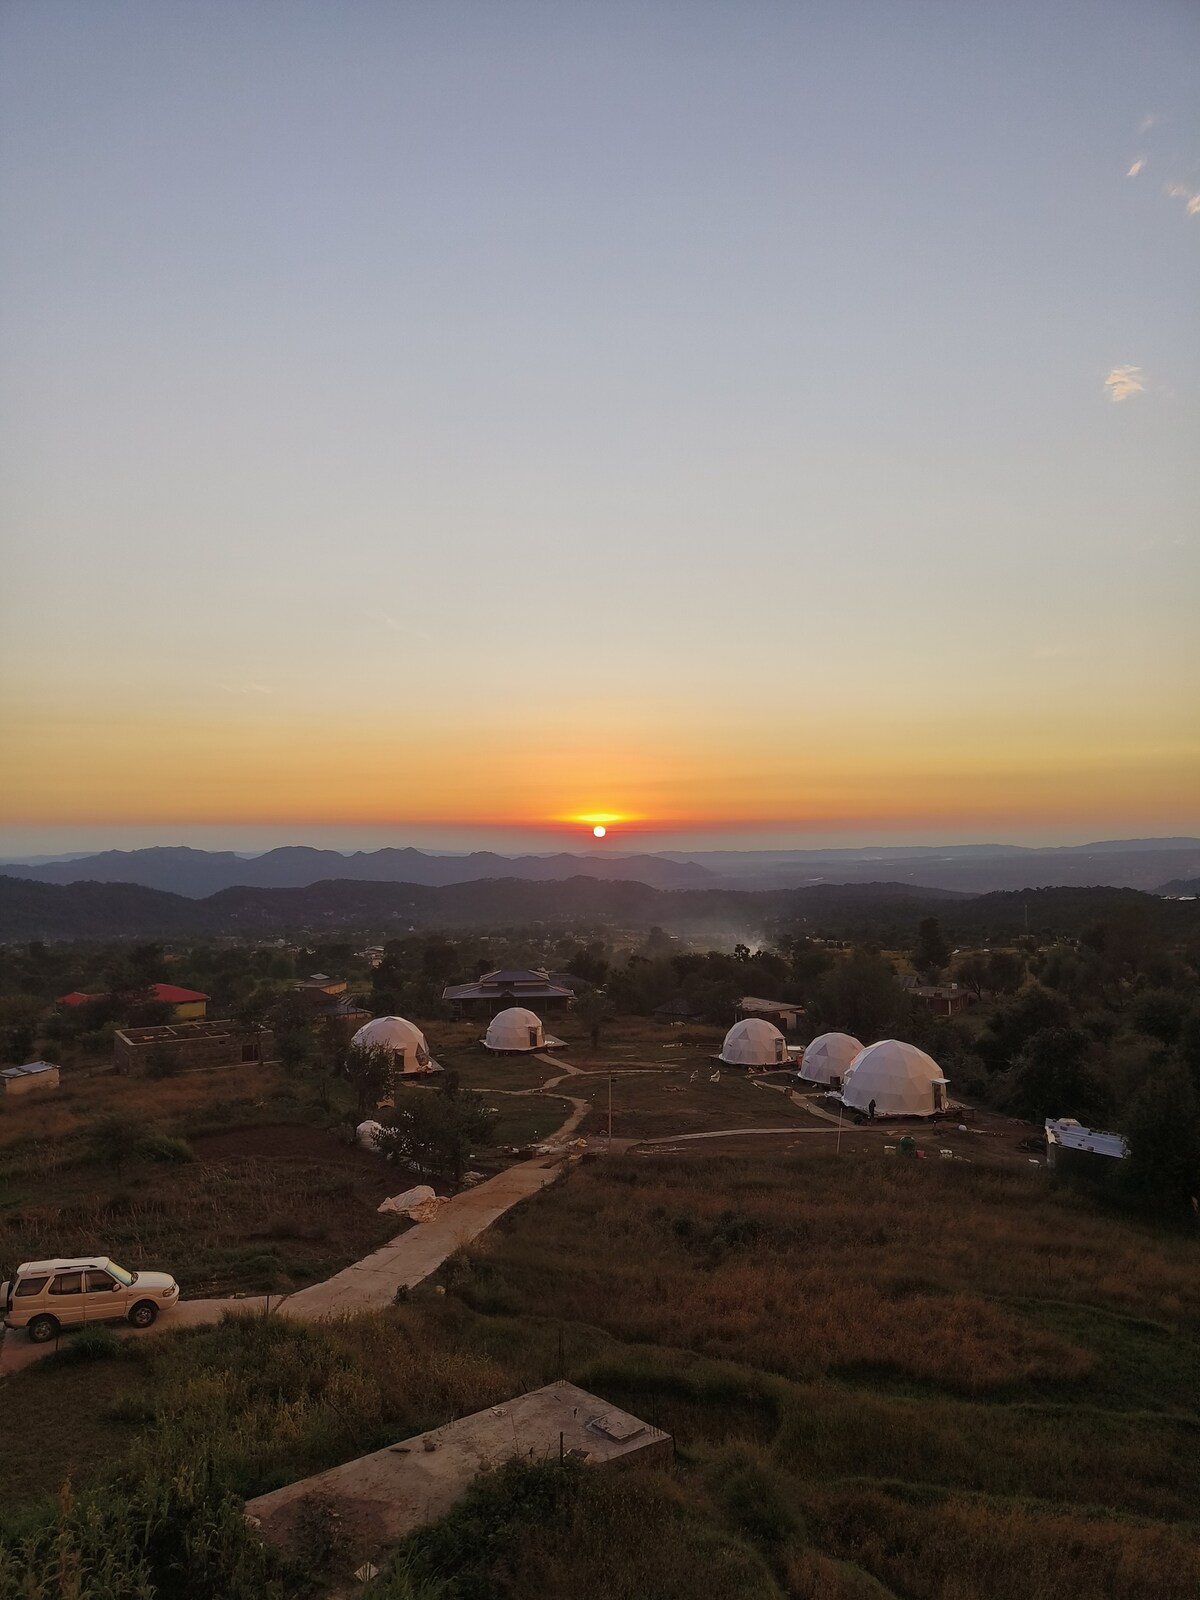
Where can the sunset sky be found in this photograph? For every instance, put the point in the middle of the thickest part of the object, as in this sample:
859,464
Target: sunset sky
754,422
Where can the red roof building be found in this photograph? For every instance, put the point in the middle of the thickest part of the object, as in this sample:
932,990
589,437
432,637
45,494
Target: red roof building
188,1003
171,994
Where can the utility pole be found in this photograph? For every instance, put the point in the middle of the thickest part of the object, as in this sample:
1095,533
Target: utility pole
610,1111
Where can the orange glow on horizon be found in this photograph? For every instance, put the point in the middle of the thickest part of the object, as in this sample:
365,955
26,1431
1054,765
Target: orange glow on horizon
990,776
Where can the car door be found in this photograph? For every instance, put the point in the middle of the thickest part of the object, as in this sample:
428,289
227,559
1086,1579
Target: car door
104,1298
64,1298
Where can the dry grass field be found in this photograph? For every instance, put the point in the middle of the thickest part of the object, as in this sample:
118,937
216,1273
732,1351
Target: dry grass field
963,1383
653,1103
85,1095
268,1206
887,1379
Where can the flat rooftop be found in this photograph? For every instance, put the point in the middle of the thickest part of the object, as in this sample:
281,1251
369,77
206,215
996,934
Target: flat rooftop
176,1032
381,1497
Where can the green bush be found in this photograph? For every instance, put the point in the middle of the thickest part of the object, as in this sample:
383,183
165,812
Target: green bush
89,1344
166,1147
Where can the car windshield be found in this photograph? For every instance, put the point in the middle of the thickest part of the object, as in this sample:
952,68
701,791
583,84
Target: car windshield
120,1274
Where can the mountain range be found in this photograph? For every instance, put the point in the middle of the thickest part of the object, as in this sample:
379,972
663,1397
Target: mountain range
342,908
971,869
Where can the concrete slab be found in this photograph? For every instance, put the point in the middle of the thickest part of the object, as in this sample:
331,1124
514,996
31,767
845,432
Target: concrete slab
381,1497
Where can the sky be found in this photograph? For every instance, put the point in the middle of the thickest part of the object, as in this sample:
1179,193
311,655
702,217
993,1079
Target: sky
745,422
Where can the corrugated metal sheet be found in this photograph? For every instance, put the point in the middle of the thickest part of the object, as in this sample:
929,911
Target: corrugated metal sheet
1072,1135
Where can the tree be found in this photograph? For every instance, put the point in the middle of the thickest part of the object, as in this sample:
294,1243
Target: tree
372,1071
1053,1077
1161,1013
860,995
594,1010
589,963
293,1046
1075,973
1011,1025
1163,1129
808,962
145,964
435,1133
1006,971
971,971
1189,1045
439,960
932,952
115,1139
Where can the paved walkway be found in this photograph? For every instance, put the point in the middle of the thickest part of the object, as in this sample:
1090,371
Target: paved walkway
371,1283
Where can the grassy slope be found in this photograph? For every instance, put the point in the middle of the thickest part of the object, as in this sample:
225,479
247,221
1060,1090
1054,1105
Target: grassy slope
954,1375
934,1381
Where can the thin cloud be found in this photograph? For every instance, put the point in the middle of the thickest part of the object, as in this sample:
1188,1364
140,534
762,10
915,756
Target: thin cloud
397,626
1190,197
1136,167
246,688
1124,381
1147,123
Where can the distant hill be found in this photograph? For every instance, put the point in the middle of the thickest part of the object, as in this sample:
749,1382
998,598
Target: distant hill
1066,911
30,910
971,869
182,870
91,911
1180,886
967,869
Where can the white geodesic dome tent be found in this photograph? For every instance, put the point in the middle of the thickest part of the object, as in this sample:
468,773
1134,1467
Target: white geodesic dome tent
406,1042
827,1059
754,1043
902,1080
515,1029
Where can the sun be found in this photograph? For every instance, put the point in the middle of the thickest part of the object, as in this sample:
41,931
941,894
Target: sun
598,823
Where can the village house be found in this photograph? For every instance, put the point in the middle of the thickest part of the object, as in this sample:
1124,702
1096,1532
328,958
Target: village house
326,1000
497,991
192,1044
782,1014
32,1076
187,1005
943,999
678,1010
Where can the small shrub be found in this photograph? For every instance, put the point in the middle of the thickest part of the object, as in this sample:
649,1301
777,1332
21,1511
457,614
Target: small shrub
90,1344
131,1408
167,1147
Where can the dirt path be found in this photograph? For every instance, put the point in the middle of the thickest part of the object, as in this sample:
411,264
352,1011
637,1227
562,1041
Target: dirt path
727,1133
370,1284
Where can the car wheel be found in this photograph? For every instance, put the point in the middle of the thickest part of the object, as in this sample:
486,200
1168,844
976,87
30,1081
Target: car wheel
43,1328
143,1314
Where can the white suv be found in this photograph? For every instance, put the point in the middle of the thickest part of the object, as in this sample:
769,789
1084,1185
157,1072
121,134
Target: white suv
45,1296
